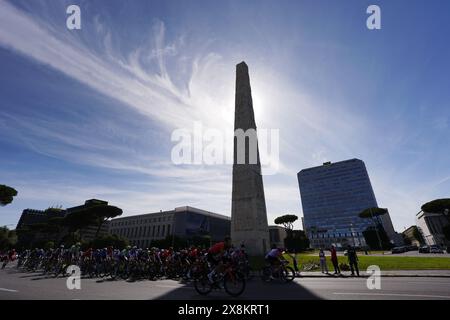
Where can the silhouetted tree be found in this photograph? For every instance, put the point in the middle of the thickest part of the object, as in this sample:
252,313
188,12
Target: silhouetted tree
374,214
288,223
436,206
297,242
78,220
109,240
376,238
8,238
101,213
6,194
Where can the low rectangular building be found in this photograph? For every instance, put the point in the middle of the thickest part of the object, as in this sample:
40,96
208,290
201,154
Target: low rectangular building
184,222
277,235
410,236
430,226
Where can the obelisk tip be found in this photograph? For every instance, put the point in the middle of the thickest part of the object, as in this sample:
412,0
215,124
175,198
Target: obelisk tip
242,65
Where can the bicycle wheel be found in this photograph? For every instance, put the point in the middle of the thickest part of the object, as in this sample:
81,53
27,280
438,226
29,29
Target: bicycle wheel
288,274
234,284
202,285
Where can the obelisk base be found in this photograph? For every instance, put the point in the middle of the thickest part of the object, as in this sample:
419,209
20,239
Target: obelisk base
256,242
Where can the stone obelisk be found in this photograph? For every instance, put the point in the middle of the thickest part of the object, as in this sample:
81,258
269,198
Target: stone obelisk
248,207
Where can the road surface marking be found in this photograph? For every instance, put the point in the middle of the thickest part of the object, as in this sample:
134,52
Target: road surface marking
169,286
8,290
392,294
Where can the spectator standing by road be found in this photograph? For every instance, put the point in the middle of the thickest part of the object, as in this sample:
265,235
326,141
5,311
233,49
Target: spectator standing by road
334,260
353,260
294,261
323,261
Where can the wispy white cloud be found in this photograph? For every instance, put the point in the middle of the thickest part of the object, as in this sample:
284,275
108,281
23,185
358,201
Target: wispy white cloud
172,85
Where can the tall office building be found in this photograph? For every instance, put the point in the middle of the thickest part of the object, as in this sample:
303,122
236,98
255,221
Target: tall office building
332,197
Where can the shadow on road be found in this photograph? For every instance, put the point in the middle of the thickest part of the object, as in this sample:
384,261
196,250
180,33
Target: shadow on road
256,289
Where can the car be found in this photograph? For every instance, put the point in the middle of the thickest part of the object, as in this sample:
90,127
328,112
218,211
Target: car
412,248
436,249
424,249
398,250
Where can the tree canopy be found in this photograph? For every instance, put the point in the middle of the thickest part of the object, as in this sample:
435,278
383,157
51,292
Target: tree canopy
287,221
436,206
376,238
103,212
109,240
78,220
298,242
372,212
8,238
6,194
91,216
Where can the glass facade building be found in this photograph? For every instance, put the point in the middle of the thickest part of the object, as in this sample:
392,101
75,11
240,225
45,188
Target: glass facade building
332,196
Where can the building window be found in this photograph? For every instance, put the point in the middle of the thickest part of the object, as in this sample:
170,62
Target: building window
157,234
163,231
168,229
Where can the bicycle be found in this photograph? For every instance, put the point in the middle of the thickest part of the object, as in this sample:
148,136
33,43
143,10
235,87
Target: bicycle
233,281
282,272
309,266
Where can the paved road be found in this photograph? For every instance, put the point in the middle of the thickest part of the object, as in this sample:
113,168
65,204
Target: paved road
18,285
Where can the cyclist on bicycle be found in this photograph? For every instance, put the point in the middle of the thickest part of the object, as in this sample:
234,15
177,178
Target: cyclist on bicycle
274,257
216,255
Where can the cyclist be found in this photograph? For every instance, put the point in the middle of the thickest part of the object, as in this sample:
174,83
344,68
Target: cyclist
10,256
216,255
110,252
273,257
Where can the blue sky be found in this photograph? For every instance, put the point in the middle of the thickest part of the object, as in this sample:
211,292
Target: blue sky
89,113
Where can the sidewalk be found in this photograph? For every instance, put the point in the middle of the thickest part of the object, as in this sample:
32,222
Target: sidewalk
388,273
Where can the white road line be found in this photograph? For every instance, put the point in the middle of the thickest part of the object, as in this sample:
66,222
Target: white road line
169,286
8,290
392,294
